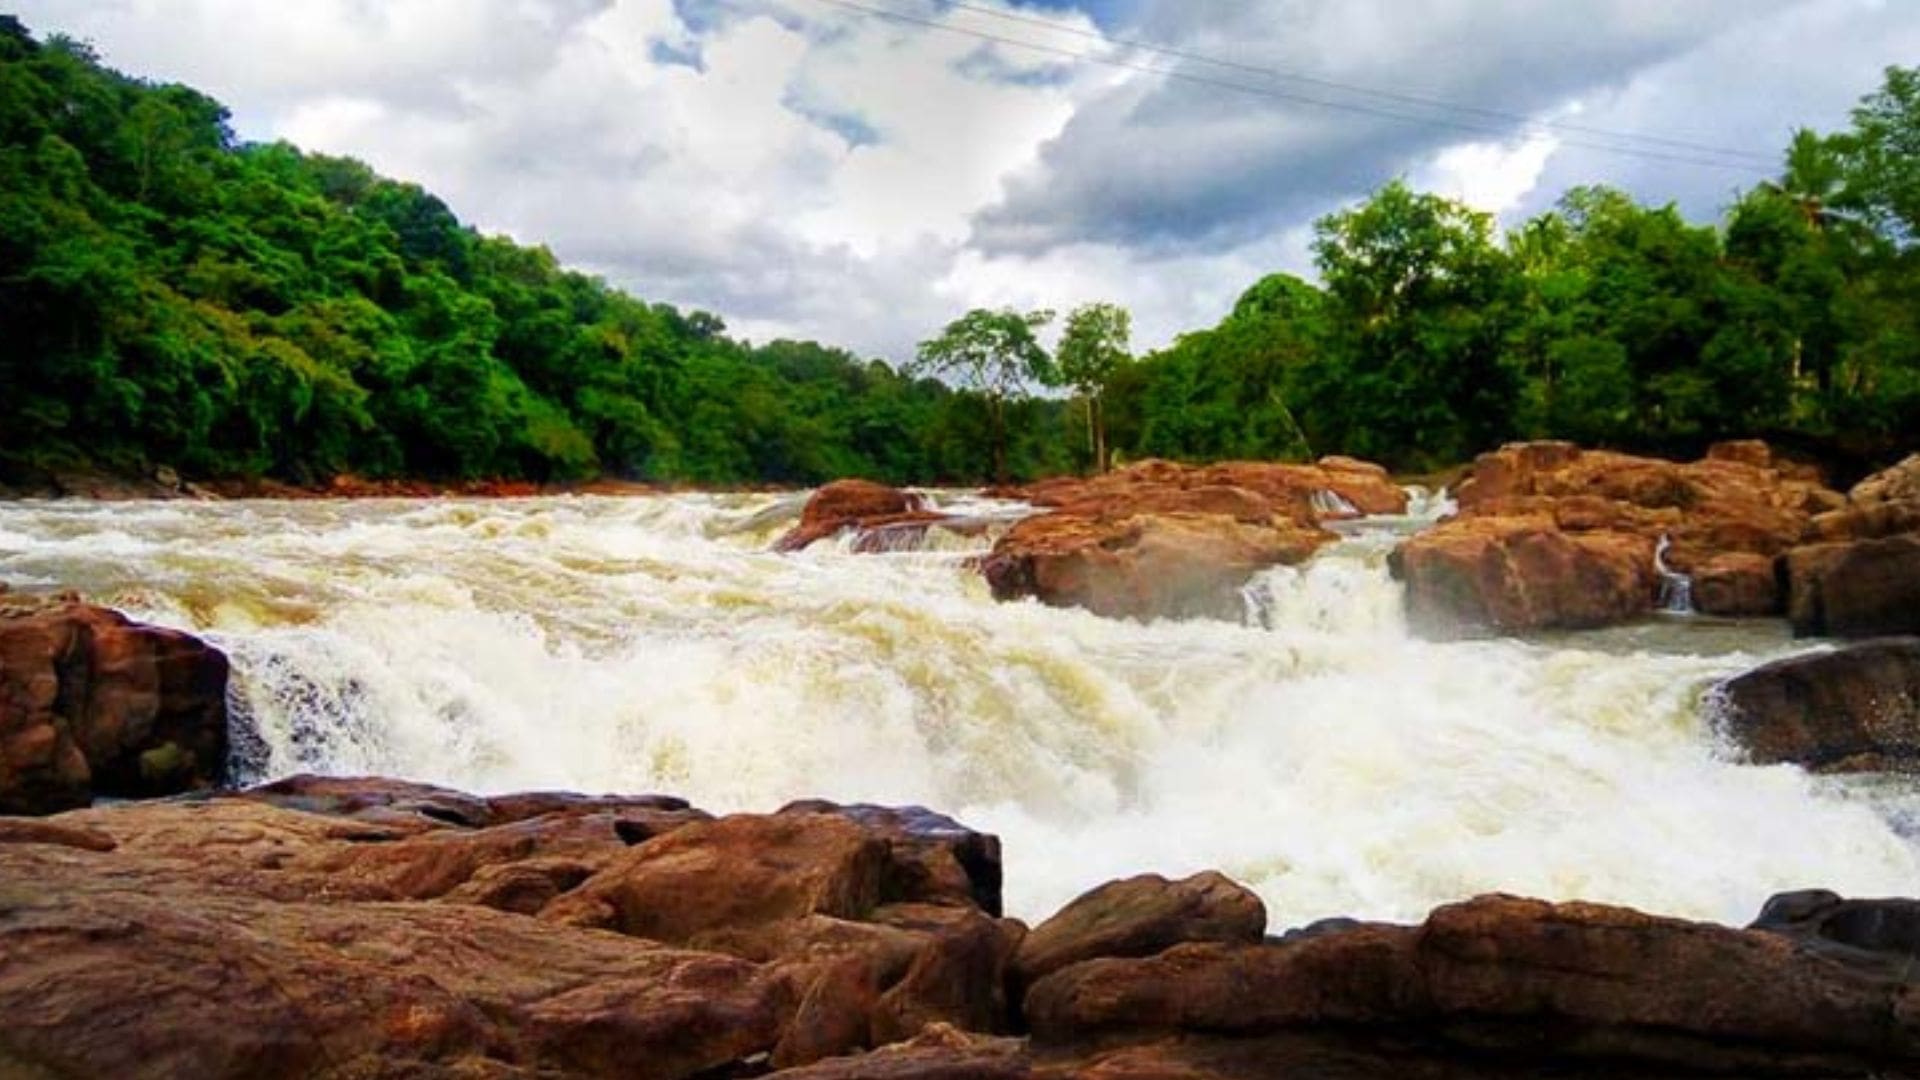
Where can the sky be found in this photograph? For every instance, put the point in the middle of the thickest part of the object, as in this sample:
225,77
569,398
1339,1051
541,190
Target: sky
860,172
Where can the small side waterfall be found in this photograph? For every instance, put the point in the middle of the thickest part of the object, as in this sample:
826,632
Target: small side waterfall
1676,589
1331,504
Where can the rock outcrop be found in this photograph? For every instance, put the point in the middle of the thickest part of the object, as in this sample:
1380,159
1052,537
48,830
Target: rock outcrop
859,505
1854,708
92,703
1855,588
340,928
1897,484
1157,539
1859,575
1147,565
1141,916
1549,535
1504,986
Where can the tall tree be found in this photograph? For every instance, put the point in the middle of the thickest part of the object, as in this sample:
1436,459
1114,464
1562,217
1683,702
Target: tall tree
997,354
1880,157
1092,350
1420,295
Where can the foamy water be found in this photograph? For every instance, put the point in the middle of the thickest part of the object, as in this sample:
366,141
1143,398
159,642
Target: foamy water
1316,752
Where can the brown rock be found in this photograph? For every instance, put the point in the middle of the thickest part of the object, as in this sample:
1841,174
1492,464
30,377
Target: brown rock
958,974
1855,588
1263,488
733,872
1148,566
932,858
1901,483
1515,574
1737,583
92,703
1159,539
1141,916
20,830
1854,708
1724,517
1868,520
940,1052
853,504
1520,979
112,970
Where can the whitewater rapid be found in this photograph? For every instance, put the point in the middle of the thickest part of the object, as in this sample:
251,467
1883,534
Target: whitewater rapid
1316,751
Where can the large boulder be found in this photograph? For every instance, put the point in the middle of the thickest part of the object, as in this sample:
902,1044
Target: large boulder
1331,488
1512,574
1550,535
1858,575
471,934
1856,588
1562,988
933,859
92,703
115,967
1141,916
1897,484
1159,539
858,505
739,871
1147,565
1854,708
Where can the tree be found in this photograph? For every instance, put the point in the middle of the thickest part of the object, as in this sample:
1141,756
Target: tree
1880,157
1420,298
1092,350
996,354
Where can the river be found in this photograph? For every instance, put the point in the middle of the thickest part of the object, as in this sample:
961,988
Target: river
1315,751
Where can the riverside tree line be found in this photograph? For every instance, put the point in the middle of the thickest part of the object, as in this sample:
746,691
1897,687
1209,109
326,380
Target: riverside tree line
169,295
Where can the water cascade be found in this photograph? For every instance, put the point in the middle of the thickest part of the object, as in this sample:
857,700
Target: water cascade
1328,503
1676,589
1318,752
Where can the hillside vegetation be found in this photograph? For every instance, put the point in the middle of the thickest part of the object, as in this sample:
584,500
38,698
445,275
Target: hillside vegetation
173,296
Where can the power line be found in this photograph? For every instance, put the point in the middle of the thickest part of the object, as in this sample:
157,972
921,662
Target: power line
1282,95
1765,160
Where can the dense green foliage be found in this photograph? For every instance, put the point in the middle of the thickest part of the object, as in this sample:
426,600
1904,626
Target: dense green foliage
1602,321
169,295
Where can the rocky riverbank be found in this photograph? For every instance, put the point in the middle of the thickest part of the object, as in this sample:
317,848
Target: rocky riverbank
362,928
366,927
1552,536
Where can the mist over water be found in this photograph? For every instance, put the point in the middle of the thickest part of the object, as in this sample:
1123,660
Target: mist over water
1316,752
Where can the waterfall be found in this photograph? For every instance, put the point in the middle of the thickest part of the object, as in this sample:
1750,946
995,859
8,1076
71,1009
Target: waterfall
1331,504
1676,589
1317,752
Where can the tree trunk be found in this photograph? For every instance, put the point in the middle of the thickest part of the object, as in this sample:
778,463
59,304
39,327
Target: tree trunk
1097,407
1093,443
997,409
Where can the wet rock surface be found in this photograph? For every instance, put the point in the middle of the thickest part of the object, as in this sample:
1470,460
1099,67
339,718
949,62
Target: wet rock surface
1552,536
861,506
1859,573
1159,539
92,703
338,927
1856,708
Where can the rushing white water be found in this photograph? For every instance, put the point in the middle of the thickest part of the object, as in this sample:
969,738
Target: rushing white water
1318,752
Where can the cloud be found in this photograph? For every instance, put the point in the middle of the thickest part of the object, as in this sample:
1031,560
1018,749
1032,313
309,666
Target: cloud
1212,155
806,169
1749,87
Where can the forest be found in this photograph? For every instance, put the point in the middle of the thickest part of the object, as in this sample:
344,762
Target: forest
171,295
